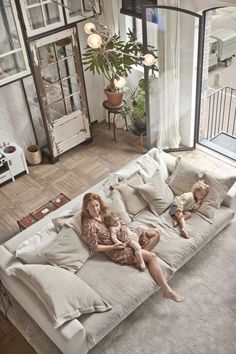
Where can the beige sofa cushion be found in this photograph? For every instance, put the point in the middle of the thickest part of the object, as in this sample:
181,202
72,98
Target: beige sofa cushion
157,193
219,187
64,295
184,177
67,250
134,203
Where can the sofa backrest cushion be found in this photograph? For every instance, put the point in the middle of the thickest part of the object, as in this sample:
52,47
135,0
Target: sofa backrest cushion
157,193
133,202
66,250
184,177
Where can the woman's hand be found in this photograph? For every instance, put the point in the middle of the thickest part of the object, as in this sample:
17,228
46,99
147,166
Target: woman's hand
119,246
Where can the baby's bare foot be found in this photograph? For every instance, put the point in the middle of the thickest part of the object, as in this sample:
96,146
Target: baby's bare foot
175,223
183,233
142,266
170,294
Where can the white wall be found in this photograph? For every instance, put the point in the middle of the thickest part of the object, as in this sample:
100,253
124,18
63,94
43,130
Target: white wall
14,117
94,84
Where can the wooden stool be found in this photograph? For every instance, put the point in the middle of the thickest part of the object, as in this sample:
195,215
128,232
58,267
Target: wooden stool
115,111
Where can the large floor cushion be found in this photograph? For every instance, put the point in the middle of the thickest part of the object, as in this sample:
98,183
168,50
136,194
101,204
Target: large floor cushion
176,250
123,287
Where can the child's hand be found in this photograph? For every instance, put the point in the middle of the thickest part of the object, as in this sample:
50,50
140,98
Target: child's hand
119,246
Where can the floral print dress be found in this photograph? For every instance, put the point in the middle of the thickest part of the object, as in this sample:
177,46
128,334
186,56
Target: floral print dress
97,233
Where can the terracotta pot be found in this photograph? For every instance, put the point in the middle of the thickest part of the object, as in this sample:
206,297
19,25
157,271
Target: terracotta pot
114,99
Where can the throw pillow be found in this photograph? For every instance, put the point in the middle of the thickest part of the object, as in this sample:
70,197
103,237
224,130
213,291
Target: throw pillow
147,166
134,203
219,187
157,193
67,250
27,251
64,295
118,206
184,177
73,220
158,156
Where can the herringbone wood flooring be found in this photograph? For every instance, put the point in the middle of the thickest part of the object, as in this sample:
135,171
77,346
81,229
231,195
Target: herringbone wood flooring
77,170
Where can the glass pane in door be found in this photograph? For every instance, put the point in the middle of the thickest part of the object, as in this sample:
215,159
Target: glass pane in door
73,103
70,85
57,110
173,95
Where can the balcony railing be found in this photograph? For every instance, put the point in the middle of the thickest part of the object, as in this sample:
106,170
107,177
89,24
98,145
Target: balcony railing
220,131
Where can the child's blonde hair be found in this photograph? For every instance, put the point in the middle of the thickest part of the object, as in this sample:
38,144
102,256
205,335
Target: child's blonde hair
110,218
200,186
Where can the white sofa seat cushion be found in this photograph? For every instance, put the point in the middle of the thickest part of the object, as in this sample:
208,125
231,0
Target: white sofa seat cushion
174,249
64,295
125,289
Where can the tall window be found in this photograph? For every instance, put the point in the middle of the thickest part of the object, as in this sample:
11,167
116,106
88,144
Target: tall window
13,58
77,10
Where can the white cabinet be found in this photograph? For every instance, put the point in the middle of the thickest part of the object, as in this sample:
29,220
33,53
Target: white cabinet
15,162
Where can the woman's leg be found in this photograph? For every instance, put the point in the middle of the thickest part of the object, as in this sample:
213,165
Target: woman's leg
155,270
153,240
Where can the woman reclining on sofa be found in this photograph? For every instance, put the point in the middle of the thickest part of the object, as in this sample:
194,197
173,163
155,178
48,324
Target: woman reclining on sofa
98,238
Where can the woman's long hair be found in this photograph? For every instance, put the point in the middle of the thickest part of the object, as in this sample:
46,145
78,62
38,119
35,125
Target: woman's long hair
89,197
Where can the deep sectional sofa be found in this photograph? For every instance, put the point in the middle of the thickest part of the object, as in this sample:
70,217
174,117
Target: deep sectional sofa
49,280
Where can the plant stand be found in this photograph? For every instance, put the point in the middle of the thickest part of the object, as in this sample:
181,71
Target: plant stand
114,111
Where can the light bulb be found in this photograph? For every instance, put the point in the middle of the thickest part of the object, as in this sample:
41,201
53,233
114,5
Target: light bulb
149,60
120,82
89,27
94,41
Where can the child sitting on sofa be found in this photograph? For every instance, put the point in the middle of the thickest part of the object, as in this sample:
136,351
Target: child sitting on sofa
120,233
180,209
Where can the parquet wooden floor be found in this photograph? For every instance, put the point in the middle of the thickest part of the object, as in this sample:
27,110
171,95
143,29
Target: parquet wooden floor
77,170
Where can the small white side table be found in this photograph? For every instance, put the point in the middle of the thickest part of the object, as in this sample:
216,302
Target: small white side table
15,162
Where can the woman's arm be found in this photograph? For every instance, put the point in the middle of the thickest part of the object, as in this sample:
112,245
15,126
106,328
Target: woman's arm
104,248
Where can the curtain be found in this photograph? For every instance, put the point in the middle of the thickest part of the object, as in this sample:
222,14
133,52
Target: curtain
168,135
111,11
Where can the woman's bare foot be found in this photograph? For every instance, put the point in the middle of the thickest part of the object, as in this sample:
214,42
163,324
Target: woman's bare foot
170,294
183,233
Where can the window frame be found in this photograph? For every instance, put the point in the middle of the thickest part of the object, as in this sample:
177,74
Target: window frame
81,16
21,49
33,32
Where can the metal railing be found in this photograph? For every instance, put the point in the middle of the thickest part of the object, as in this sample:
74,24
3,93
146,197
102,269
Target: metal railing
221,112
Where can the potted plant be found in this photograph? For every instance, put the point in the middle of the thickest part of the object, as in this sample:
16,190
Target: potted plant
113,58
136,106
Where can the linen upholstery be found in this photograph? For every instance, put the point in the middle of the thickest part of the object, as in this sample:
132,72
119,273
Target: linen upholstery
64,295
157,193
67,250
117,205
184,177
126,286
27,251
174,249
219,187
134,203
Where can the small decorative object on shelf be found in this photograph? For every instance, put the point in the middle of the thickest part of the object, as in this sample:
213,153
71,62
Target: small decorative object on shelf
41,212
12,161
